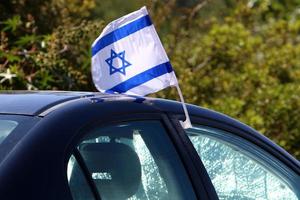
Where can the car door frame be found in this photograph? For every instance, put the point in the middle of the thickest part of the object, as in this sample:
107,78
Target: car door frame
240,130
197,176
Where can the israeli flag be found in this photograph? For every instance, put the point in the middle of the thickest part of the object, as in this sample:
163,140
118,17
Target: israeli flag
129,58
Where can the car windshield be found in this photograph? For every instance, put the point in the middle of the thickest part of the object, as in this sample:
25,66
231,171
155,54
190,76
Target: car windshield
12,130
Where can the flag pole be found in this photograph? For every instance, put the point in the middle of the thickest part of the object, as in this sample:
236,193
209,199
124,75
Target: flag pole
187,123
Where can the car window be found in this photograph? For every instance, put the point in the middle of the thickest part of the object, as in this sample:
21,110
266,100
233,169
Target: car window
133,160
80,191
239,170
6,127
12,129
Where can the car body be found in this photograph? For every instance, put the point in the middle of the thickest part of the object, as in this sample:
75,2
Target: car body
85,145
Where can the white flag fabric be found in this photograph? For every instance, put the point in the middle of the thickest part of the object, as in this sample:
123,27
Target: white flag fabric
129,58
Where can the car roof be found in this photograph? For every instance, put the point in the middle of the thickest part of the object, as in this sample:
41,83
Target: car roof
35,102
41,103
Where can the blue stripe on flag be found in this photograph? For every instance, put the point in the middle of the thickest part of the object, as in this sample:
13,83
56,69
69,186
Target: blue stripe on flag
142,78
121,32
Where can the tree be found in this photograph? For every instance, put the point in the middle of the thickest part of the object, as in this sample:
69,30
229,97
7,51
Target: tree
245,66
236,57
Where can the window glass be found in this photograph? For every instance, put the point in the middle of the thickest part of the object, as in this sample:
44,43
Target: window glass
12,129
134,160
238,169
6,127
78,184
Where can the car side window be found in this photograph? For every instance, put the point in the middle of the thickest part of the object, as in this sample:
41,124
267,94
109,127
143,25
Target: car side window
75,175
132,160
239,170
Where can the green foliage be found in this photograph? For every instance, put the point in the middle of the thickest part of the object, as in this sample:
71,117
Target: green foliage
59,59
12,24
245,68
237,57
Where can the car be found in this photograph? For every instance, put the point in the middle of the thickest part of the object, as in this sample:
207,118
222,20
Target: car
87,145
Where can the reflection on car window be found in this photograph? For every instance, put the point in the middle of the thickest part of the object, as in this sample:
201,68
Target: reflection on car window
6,127
133,161
234,174
79,191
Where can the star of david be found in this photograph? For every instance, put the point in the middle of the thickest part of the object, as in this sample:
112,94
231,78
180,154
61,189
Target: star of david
119,56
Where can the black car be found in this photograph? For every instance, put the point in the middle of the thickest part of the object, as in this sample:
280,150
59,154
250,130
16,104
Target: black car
86,146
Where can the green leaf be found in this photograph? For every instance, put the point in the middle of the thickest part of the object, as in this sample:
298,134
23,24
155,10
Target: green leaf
12,58
12,23
27,39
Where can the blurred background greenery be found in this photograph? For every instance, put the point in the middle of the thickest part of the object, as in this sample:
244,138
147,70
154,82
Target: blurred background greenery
239,57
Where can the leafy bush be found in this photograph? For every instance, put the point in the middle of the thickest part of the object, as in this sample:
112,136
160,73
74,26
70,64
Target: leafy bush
243,60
